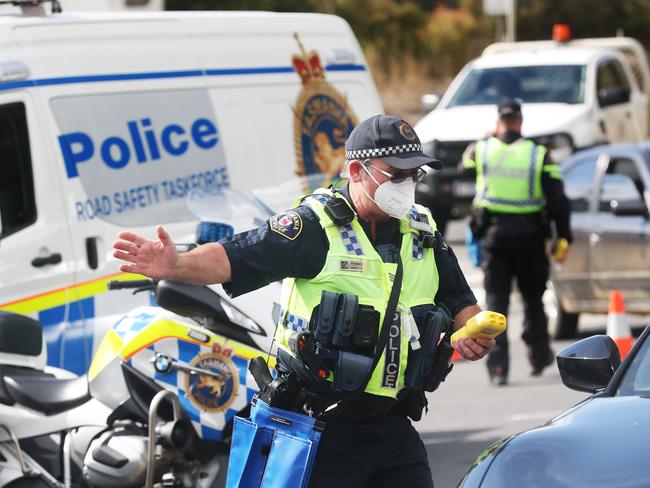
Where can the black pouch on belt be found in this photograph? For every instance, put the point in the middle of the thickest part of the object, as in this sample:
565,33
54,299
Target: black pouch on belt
442,364
346,319
324,318
421,361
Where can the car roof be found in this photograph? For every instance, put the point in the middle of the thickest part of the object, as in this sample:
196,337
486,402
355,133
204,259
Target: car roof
639,147
541,57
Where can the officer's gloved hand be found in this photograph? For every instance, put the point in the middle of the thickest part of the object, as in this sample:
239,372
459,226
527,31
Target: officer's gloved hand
560,250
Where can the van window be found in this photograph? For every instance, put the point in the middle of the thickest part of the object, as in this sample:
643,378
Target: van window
579,184
17,204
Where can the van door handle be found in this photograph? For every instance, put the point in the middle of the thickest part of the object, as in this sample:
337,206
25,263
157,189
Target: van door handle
54,258
91,252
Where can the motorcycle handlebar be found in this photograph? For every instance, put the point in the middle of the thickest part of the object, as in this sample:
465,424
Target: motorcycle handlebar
121,285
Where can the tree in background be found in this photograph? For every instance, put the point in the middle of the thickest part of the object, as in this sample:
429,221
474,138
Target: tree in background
587,18
414,46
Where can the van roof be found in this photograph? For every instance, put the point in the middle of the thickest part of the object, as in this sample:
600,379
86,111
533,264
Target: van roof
275,18
89,45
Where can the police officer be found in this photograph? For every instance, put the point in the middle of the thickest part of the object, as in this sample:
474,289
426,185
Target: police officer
518,190
346,241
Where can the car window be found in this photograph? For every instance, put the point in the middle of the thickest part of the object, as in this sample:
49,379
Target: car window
622,182
579,184
17,205
531,84
637,378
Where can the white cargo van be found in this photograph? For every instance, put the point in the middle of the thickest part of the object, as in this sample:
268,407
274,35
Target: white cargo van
109,120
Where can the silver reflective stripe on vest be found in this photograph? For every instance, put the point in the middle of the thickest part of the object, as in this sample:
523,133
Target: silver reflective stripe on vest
532,171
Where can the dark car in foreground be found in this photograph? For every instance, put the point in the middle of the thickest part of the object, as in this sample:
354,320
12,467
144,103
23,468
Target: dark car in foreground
609,190
603,442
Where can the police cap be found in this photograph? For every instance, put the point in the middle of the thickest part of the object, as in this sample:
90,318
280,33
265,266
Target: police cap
509,108
390,139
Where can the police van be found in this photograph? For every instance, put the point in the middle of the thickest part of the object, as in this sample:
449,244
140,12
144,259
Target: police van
109,120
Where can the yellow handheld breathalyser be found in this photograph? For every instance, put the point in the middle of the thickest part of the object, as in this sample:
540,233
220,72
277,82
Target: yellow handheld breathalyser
483,324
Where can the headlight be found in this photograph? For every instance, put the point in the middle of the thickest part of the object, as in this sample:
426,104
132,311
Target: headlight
560,146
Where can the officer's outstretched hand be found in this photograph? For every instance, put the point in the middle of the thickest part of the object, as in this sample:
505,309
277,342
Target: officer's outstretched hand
155,259
473,349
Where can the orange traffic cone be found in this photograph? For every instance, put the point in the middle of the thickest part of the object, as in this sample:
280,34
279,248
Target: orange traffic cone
618,326
456,356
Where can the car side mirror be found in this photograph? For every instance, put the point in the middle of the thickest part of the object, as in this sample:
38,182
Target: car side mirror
428,102
613,96
628,208
589,365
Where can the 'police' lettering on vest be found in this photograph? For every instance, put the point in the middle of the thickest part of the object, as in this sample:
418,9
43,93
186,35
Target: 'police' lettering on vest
392,357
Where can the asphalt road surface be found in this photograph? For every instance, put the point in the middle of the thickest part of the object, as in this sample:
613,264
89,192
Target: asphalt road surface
467,414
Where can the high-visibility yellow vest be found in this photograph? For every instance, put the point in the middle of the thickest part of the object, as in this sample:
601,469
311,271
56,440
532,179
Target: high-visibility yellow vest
353,266
509,176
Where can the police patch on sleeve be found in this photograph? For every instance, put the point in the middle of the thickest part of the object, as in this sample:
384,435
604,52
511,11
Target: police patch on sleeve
288,224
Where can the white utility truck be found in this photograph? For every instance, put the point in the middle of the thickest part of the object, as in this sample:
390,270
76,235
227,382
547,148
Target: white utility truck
575,94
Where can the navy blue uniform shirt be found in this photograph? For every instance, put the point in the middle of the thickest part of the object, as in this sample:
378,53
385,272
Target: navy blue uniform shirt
293,244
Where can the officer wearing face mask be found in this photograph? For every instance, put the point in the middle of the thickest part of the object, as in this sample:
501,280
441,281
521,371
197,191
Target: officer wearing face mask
340,252
518,189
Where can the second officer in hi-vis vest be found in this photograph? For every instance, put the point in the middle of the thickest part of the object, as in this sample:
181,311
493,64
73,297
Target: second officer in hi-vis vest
369,286
519,191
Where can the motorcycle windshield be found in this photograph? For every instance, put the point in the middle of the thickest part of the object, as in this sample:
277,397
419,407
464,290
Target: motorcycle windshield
245,210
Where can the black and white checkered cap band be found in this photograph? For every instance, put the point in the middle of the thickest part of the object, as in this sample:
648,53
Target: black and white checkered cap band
382,151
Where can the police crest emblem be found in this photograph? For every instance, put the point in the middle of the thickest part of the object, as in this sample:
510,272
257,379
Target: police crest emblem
288,224
323,121
214,390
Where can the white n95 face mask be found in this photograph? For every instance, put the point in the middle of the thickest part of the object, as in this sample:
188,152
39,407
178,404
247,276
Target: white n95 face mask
394,199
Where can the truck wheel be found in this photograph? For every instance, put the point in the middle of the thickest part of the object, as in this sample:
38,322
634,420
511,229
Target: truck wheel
566,324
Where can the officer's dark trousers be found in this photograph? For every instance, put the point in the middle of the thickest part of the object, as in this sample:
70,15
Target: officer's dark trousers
525,260
386,454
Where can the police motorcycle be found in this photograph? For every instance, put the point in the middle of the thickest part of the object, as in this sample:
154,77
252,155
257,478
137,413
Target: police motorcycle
165,383
39,404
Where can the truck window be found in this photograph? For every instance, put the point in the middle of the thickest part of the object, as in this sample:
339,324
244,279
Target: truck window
612,84
531,84
579,184
17,204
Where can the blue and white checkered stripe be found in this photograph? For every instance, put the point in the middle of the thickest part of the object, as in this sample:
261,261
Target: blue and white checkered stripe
347,233
209,425
350,240
130,325
418,250
294,322
316,196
